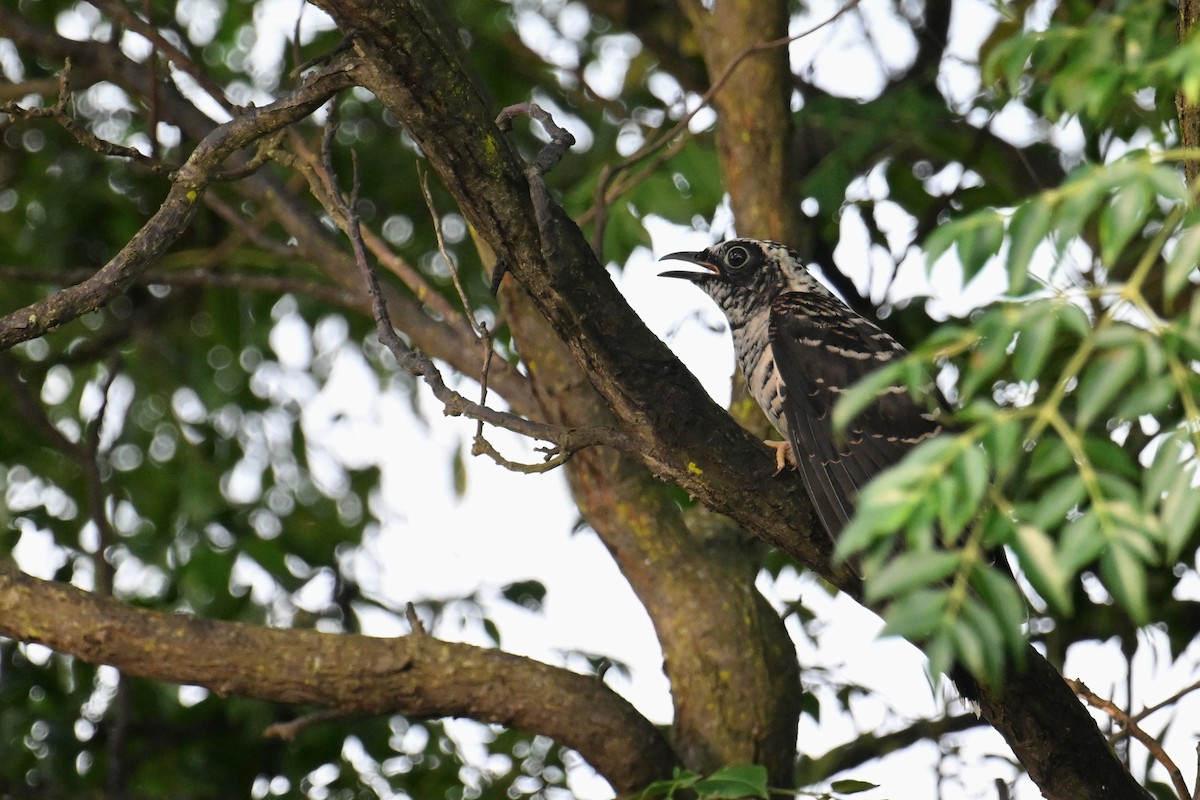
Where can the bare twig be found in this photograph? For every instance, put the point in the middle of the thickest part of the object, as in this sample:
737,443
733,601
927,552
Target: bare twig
1170,701
86,454
1129,725
201,277
1196,793
414,622
288,731
567,440
441,246
309,165
265,150
58,113
12,92
546,159
176,212
561,139
97,497
251,229
484,336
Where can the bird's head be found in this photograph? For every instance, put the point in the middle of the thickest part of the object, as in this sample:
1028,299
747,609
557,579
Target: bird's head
744,269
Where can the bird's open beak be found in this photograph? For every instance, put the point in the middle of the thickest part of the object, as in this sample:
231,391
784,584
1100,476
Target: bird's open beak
700,259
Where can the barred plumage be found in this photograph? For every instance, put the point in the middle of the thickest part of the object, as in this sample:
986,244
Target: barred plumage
799,347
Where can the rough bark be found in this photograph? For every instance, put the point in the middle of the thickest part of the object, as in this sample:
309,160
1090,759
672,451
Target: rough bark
416,674
754,131
1189,113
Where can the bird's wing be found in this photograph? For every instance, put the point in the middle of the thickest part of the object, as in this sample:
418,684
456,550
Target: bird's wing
820,350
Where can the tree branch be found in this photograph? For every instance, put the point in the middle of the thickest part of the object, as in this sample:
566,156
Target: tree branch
418,676
1132,728
176,212
867,747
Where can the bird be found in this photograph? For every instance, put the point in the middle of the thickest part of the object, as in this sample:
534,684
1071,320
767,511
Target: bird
800,347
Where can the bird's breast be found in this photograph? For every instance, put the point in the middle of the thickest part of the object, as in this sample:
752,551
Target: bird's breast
752,345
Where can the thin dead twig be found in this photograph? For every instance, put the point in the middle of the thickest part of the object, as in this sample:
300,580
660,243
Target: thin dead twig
1170,701
1128,724
58,113
480,445
547,158
414,622
288,731
202,277
309,165
566,441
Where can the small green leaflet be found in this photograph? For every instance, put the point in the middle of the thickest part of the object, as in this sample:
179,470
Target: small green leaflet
851,786
733,783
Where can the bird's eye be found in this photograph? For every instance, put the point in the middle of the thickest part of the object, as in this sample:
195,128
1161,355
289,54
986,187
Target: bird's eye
737,257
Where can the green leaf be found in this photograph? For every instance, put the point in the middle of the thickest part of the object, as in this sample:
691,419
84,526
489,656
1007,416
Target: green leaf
734,782
1027,229
1103,381
1124,575
975,473
1148,397
1123,218
1181,510
1167,181
1168,462
458,470
979,641
1004,600
909,571
1108,456
527,594
1050,456
888,502
1058,499
1182,263
864,393
1034,343
1041,565
917,615
940,652
681,779
1003,444
1076,320
851,786
980,242
1081,543
996,334
1085,188
883,507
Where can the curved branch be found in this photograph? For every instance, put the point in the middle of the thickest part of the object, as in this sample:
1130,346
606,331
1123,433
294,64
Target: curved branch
176,212
868,747
415,675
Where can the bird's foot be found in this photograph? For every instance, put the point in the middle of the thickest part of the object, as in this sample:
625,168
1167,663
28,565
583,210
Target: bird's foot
783,454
